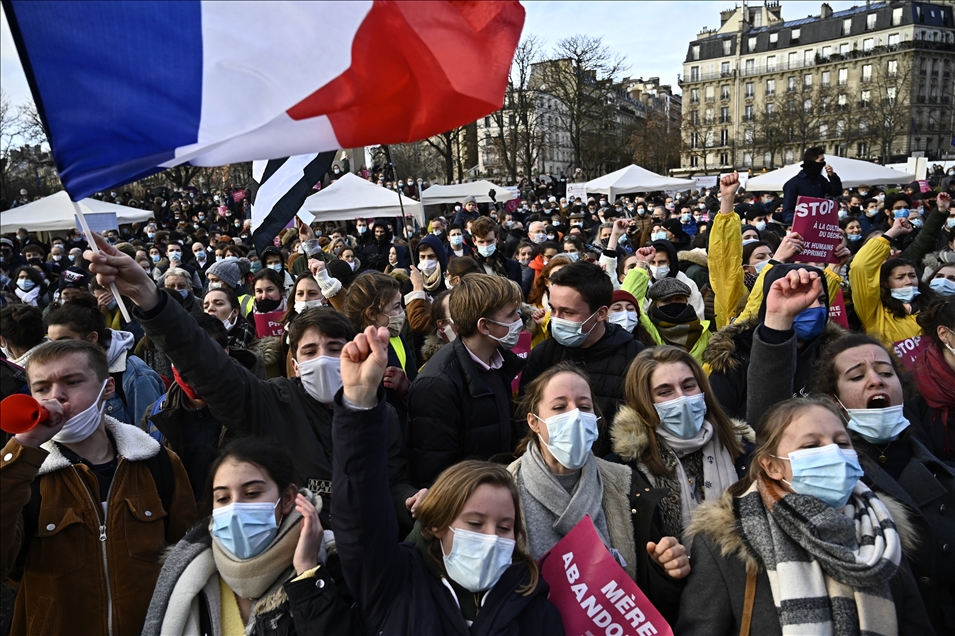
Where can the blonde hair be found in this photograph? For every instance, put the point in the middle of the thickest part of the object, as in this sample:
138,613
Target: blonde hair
478,294
639,396
451,491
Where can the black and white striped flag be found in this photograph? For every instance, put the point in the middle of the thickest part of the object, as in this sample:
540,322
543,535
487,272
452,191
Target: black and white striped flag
284,184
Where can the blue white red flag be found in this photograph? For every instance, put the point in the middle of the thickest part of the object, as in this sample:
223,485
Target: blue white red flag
129,88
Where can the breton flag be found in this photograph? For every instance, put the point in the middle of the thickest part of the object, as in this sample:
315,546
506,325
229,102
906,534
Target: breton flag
284,184
128,88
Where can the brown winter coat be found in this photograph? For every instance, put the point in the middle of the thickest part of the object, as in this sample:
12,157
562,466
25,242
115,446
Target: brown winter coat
71,579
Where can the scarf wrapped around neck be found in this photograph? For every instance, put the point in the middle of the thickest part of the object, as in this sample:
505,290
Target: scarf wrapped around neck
936,382
683,330
828,569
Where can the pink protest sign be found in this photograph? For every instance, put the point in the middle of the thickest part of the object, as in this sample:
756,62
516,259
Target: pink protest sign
593,594
817,222
837,311
910,350
522,349
269,324
925,186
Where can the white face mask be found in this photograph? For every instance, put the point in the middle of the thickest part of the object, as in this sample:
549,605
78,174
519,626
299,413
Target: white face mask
302,305
626,319
477,560
660,272
427,266
229,323
572,435
82,425
513,332
321,377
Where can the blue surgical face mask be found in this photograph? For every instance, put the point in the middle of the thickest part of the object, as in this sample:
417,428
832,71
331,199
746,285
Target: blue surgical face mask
902,213
759,266
573,256
156,258
572,435
183,292
854,237
256,267
950,223
905,294
658,236
456,240
245,529
943,286
810,322
276,267
843,214
26,284
72,258
570,333
760,225
877,426
828,473
487,250
477,560
683,416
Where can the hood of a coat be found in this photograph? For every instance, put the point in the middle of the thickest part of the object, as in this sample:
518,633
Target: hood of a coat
270,348
670,249
120,342
696,256
435,244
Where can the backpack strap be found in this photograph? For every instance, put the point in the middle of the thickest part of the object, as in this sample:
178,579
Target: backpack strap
160,467
748,602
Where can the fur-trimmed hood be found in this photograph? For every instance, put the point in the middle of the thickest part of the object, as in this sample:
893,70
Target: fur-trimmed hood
629,434
432,344
934,260
697,256
131,442
270,348
731,345
717,520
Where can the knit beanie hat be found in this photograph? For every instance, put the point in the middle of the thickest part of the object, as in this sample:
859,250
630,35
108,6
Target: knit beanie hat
667,288
230,270
621,296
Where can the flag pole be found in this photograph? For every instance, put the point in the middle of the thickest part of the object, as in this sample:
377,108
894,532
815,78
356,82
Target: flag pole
96,250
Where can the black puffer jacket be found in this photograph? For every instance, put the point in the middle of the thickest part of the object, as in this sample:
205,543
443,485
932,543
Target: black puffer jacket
459,411
606,362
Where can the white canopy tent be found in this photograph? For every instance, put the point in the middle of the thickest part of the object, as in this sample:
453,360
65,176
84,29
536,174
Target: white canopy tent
852,172
635,179
352,197
56,212
459,192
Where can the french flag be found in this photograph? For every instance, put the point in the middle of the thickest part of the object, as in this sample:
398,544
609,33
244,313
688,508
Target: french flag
126,89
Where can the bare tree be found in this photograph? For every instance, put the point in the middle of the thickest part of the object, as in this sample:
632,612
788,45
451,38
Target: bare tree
182,175
29,125
445,144
656,139
7,133
696,136
770,134
515,136
890,116
580,80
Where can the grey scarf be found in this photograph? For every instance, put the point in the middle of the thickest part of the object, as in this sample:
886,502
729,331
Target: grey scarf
550,509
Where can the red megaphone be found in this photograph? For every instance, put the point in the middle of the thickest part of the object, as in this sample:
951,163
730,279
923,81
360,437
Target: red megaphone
19,413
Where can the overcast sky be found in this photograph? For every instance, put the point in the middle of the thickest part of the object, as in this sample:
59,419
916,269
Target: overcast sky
652,36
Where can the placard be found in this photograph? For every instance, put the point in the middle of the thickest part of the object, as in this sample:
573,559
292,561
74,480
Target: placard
910,350
593,594
269,324
925,186
706,182
837,310
817,222
98,222
522,349
575,190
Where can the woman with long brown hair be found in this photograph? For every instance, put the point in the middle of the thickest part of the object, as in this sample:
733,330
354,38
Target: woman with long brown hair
466,567
673,431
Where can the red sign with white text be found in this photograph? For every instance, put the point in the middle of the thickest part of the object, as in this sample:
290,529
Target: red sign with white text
837,311
522,349
269,324
593,594
910,350
817,222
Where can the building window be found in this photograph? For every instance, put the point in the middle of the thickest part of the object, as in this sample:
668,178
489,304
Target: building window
861,149
771,87
791,85
844,48
708,116
725,115
696,51
695,96
789,157
750,67
724,159
826,79
894,39
807,105
794,38
807,81
808,56
751,45
867,73
771,63
748,113
896,17
750,90
893,68
748,136
724,137
725,68
727,47
847,26
695,117
842,100
840,128
773,38
694,73
793,59
709,93
843,76
748,159
770,109
694,140
864,98
826,52
758,19
725,92
868,44
890,94
823,131
694,161
870,22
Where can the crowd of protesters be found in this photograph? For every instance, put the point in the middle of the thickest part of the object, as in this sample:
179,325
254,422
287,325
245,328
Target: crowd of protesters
377,427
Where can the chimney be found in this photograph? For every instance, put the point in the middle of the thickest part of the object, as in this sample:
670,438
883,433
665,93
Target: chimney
826,11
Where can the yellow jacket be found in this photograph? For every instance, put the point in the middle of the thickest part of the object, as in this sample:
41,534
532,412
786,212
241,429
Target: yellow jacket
864,279
725,261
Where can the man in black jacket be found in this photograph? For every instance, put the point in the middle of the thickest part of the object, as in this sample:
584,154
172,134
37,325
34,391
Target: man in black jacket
296,411
460,403
580,295
489,250
810,182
